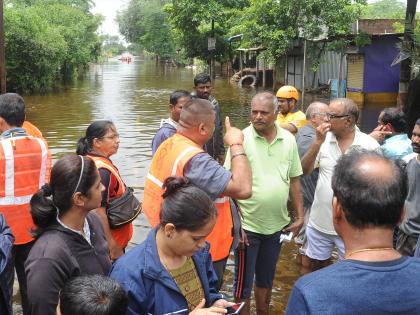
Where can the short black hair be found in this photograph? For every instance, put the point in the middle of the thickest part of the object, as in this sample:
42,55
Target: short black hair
368,201
93,294
176,95
202,78
396,118
12,109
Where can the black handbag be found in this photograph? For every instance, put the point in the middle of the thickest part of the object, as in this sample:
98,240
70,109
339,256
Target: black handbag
124,209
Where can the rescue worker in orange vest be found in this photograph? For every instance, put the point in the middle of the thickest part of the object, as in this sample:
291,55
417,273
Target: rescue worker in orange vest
183,155
289,117
25,164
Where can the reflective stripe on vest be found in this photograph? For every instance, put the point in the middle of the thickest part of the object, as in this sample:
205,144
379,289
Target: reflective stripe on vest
170,160
26,169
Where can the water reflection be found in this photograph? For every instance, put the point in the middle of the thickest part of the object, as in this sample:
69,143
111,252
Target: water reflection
136,96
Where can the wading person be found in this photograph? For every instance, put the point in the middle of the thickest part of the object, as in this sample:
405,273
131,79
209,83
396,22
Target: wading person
25,166
92,295
409,229
369,193
289,117
202,89
171,271
168,126
100,143
70,238
333,139
182,155
276,168
6,268
315,116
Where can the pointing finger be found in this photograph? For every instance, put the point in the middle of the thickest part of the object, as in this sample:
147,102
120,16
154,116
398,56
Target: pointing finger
227,123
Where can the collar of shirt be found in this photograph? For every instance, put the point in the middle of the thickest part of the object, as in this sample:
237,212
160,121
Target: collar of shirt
169,121
279,133
86,229
14,132
356,141
396,138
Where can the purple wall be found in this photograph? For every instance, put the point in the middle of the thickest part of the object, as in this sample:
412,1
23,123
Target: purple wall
379,76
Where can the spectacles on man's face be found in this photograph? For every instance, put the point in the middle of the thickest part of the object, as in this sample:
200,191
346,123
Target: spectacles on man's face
334,116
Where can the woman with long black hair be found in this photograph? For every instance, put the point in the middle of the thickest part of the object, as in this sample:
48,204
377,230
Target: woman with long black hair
70,240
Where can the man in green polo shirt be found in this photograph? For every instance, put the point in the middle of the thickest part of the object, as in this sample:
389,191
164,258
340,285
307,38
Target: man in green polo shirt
273,155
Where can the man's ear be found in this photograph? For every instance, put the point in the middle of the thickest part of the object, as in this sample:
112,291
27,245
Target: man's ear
338,213
202,130
402,216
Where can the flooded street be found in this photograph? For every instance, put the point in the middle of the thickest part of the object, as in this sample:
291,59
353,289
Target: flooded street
135,97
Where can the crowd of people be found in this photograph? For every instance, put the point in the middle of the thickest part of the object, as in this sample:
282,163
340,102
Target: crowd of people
313,176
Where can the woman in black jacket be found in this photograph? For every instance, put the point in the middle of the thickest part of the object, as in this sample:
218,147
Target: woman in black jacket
70,238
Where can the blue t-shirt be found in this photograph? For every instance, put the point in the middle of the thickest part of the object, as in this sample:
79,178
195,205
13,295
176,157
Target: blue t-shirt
355,287
166,131
396,147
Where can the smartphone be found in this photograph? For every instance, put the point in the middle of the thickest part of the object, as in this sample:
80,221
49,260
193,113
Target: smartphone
235,308
286,237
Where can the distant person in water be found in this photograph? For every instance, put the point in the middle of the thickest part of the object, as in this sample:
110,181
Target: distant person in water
168,126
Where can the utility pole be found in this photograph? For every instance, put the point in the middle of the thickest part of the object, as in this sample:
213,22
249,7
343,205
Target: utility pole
407,46
2,53
213,64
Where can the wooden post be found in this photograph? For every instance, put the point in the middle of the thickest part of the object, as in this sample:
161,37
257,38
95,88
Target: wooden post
240,62
2,53
257,71
303,74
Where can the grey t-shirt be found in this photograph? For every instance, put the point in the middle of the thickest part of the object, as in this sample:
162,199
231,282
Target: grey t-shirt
411,223
304,138
204,172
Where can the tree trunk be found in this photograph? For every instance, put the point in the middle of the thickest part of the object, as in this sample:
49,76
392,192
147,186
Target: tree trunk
407,46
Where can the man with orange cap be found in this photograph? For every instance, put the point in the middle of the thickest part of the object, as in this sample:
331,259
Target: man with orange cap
289,117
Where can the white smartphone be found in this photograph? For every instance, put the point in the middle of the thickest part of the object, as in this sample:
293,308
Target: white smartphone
286,237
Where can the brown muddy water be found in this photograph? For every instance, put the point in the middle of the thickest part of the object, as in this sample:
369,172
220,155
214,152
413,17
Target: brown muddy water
135,97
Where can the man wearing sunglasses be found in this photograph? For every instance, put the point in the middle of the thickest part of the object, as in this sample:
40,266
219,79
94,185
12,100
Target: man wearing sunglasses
334,138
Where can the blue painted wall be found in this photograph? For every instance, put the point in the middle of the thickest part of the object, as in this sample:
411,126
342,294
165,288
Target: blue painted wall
379,76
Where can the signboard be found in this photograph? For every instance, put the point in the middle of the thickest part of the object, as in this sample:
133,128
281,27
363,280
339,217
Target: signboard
211,43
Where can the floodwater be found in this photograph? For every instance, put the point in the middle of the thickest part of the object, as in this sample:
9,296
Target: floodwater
135,97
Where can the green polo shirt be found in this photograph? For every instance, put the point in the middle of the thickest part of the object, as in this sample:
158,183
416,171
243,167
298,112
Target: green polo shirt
272,164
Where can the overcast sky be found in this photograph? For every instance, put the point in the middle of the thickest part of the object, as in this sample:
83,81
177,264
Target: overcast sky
109,8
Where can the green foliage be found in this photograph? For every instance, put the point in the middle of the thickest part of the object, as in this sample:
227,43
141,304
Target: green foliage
47,41
192,21
145,23
112,45
276,24
385,9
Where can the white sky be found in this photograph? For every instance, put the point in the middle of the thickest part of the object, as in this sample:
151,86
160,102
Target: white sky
109,8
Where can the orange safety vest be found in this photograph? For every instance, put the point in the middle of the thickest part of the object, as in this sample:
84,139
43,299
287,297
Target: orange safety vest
170,160
31,129
123,234
25,165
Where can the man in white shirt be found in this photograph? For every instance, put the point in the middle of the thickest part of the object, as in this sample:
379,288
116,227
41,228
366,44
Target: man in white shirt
333,139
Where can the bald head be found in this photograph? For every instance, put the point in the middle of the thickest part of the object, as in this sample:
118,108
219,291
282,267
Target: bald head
370,188
348,106
195,112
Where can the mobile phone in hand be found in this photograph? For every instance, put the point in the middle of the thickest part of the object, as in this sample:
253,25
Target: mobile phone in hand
286,237
235,308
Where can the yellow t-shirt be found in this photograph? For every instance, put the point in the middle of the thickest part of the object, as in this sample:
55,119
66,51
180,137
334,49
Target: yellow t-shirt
297,119
188,281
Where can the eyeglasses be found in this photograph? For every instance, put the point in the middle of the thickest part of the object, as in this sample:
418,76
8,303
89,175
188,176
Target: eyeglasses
113,137
334,116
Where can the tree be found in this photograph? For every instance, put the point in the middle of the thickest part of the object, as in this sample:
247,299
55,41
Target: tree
276,24
112,45
384,9
192,22
145,23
